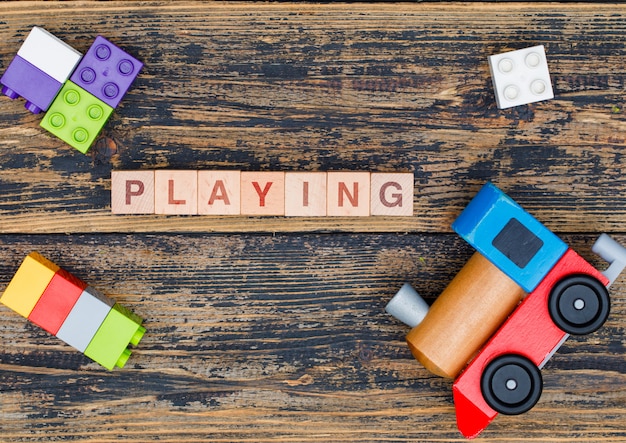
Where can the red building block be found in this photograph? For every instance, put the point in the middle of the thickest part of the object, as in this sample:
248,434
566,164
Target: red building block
57,301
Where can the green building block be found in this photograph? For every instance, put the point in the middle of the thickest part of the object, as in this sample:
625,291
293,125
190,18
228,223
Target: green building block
76,117
109,346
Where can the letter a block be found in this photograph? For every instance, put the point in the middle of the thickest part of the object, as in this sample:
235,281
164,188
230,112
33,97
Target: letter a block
348,194
218,192
392,194
132,192
76,117
263,193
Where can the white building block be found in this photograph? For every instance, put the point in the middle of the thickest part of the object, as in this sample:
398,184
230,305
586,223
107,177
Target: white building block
50,54
521,77
85,318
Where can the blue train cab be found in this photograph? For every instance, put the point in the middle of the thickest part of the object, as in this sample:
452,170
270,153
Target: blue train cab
508,236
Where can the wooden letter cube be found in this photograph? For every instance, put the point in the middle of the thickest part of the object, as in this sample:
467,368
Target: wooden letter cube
392,194
305,194
348,194
175,192
263,193
219,192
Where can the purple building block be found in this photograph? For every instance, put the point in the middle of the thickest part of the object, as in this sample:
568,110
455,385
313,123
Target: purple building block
106,71
22,79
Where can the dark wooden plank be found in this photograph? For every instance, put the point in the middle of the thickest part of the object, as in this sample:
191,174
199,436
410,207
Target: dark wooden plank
276,338
332,87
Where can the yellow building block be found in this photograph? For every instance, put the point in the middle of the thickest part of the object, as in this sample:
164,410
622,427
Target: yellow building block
28,283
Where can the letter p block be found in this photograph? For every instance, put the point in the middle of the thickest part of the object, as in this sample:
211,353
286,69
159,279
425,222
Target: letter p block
132,192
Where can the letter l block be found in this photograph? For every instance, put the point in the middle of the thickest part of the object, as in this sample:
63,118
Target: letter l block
175,192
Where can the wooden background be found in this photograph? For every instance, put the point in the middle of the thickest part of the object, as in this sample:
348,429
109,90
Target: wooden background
272,329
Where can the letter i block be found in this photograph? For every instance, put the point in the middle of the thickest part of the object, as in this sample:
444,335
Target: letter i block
106,71
28,284
86,316
57,301
109,346
76,117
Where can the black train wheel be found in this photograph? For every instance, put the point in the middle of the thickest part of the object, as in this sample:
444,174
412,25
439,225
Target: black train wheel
579,304
511,384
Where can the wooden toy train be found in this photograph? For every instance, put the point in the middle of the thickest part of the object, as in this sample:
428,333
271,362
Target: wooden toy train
507,311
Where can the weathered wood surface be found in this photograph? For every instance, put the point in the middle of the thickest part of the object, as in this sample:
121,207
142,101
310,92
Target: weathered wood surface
270,328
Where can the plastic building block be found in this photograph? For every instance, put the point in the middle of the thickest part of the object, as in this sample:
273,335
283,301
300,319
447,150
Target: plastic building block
175,192
348,194
477,332
219,192
28,284
109,346
509,237
106,71
50,54
392,194
57,301
132,192
86,316
307,194
76,117
63,305
42,64
520,77
22,79
263,193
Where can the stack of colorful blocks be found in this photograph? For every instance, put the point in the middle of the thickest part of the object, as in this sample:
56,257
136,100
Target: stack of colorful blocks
78,93
65,306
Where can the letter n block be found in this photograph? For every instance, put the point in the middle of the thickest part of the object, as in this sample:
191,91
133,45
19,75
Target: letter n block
175,192
219,192
263,193
305,194
392,194
132,192
348,194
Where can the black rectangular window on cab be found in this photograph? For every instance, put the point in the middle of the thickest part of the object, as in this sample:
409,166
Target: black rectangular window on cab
517,243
